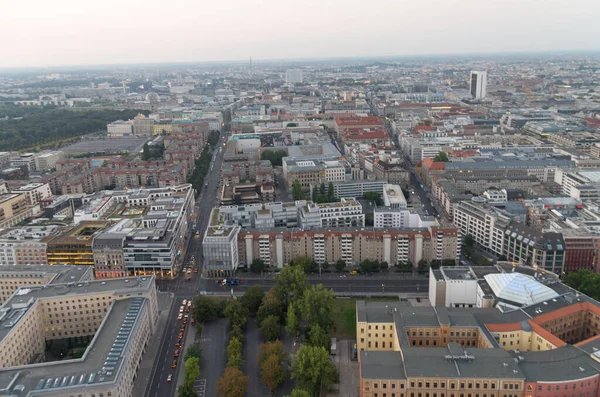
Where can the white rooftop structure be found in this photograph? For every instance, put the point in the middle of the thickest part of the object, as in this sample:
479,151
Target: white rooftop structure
519,288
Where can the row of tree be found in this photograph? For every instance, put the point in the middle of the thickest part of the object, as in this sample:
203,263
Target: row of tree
203,162
50,126
191,371
154,152
319,195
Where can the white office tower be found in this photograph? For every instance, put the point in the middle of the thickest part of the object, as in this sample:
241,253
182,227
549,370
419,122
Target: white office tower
478,84
293,76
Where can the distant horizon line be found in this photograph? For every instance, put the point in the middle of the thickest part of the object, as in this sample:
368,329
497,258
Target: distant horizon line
413,57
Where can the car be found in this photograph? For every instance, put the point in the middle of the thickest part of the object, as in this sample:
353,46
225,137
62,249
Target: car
189,304
186,316
195,270
180,335
170,378
353,272
193,322
178,344
174,364
176,354
184,303
180,316
181,309
182,328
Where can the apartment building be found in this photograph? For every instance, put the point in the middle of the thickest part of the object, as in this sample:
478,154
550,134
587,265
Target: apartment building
356,188
220,249
346,123
279,246
14,208
255,171
46,161
36,193
13,277
118,315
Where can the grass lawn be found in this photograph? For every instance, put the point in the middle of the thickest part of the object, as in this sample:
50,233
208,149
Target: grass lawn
345,316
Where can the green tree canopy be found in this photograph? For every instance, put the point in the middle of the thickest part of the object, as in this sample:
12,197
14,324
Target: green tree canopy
312,369
441,157
318,307
318,337
340,265
293,319
299,393
204,309
193,351
270,327
234,353
271,305
257,265
252,298
236,313
290,284
269,349
297,193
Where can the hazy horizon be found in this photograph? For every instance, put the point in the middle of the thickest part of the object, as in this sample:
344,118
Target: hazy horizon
40,34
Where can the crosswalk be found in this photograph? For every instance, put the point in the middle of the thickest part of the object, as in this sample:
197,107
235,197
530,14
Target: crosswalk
200,387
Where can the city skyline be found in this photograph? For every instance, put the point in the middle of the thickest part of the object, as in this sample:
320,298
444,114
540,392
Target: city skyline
71,33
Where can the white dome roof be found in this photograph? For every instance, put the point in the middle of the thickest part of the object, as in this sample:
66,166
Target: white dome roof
519,288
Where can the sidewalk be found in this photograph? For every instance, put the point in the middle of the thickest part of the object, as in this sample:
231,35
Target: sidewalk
142,381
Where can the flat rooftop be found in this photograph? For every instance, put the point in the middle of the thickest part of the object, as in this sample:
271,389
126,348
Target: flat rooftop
23,298
62,273
101,362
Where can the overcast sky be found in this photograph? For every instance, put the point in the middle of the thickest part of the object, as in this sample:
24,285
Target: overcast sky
80,32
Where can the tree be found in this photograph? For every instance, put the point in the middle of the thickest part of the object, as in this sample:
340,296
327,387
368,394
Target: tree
186,390
322,189
271,305
368,266
299,393
292,321
269,349
236,313
312,369
194,351
192,370
318,307
146,152
468,241
384,265
257,265
318,337
233,383
307,264
234,353
272,373
340,265
441,157
373,196
290,284
297,193
575,279
269,328
330,193
204,309
252,298
422,264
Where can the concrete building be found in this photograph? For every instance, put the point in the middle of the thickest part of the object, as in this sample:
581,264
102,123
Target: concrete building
36,193
15,208
120,128
314,170
220,248
73,246
352,245
478,84
293,76
356,188
528,338
118,316
346,213
386,218
393,197
47,161
143,126
13,277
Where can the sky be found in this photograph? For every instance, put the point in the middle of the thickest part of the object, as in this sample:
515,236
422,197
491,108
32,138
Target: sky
38,33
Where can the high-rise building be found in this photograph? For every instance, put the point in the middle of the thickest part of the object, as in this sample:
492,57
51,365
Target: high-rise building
478,83
293,76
